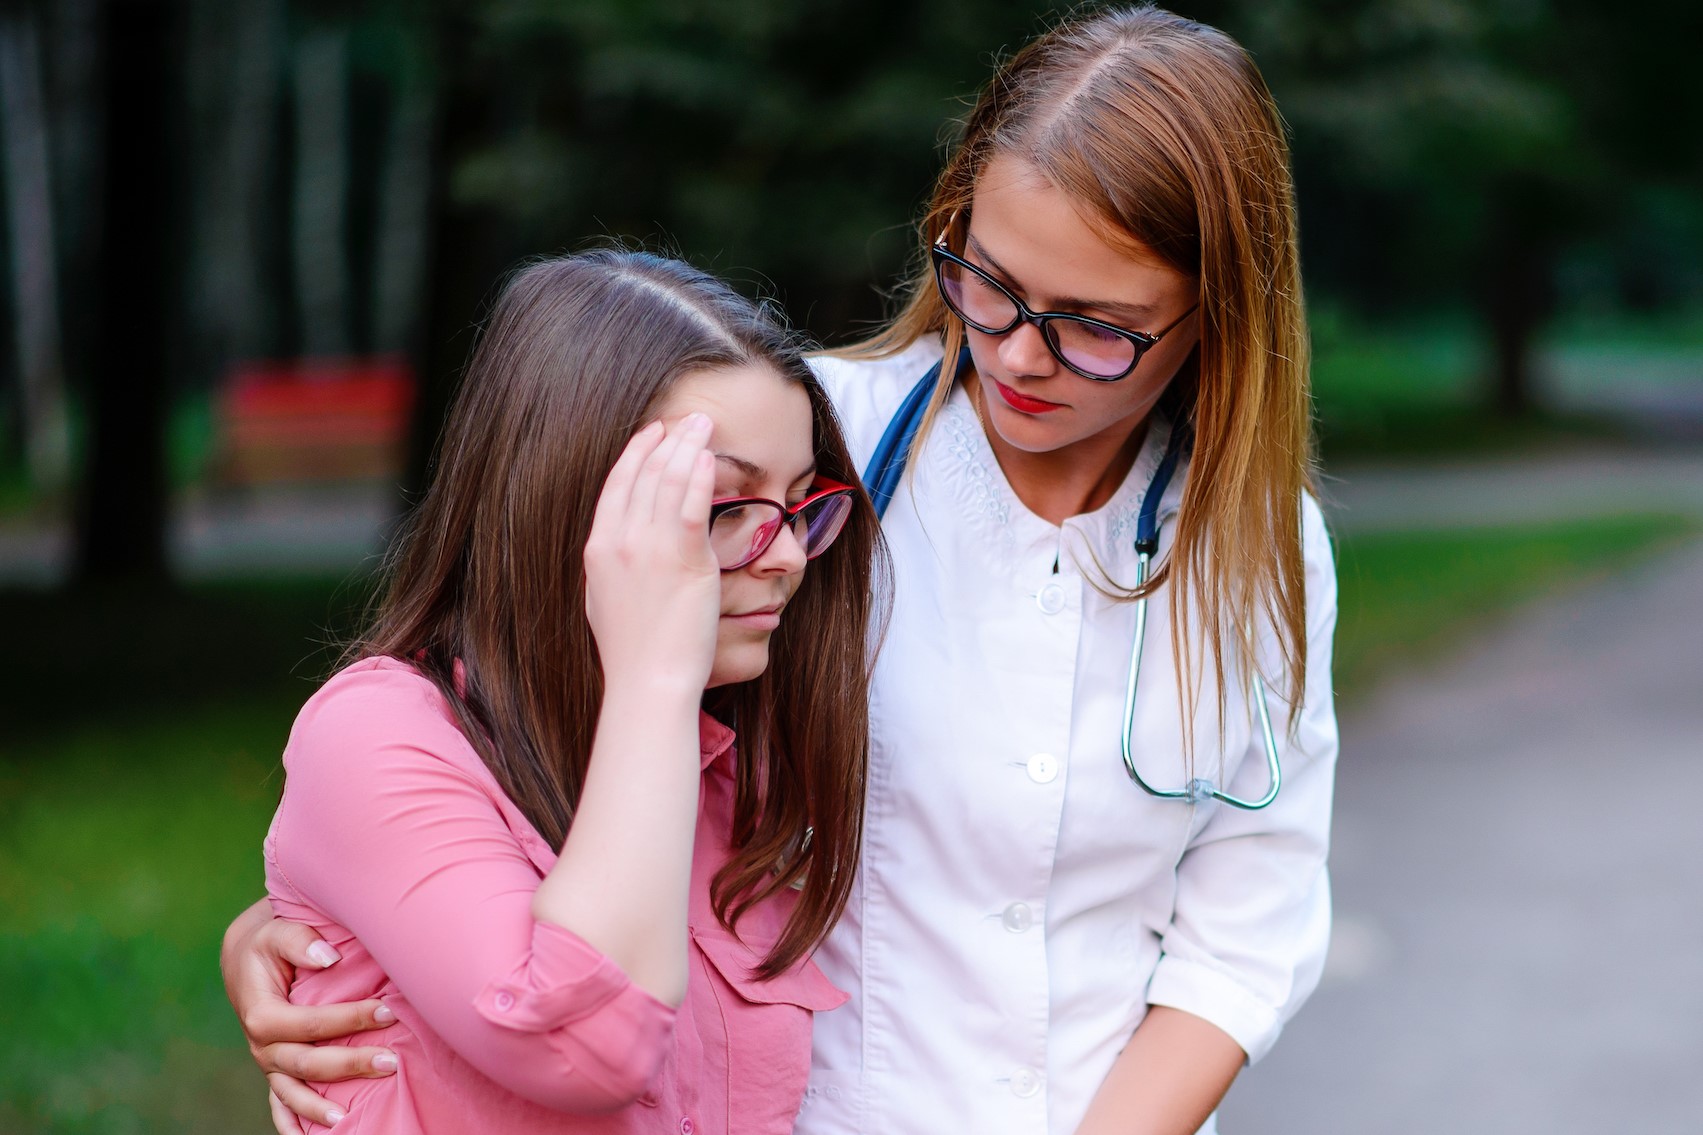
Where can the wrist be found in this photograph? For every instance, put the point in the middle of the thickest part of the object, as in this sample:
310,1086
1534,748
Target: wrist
654,688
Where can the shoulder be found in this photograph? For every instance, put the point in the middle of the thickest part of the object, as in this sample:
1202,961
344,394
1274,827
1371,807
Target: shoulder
867,392
1315,537
1319,559
377,707
373,693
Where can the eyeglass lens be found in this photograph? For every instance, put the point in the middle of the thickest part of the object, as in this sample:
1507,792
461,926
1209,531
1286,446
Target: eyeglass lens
742,532
988,308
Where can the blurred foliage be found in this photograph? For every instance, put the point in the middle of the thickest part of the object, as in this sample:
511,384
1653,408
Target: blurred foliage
799,139
790,140
356,177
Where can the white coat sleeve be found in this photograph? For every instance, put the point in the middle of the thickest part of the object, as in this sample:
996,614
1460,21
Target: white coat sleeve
1247,938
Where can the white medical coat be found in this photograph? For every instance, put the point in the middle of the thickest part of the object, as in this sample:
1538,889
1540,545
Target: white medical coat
1020,901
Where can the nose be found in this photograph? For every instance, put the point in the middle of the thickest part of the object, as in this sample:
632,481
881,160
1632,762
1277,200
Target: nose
1023,350
783,556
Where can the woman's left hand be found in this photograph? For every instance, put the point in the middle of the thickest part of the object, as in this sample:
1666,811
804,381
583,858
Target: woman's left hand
259,959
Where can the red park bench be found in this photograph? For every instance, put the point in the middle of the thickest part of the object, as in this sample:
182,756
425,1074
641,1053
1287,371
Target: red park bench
313,419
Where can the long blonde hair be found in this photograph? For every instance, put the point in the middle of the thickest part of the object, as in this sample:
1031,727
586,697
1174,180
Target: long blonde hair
1165,130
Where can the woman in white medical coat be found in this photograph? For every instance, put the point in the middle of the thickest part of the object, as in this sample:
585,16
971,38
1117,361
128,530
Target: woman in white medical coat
1036,942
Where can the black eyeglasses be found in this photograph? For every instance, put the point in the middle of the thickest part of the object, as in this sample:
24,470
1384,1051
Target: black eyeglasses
742,528
1091,348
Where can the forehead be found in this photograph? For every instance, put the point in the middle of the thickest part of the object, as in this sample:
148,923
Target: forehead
1037,232
760,416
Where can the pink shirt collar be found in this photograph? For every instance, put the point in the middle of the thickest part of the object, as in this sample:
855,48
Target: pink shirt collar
714,739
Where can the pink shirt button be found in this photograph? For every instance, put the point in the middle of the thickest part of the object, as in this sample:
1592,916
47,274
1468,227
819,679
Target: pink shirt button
686,1125
505,1001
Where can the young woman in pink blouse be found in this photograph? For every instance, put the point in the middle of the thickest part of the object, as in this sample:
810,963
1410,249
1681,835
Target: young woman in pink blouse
520,816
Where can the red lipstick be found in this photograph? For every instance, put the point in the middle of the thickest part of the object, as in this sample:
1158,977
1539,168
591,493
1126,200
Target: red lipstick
1023,403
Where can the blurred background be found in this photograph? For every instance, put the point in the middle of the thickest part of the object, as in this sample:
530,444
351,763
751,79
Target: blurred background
245,247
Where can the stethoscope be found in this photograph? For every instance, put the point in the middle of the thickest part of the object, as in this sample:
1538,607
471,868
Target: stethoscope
881,477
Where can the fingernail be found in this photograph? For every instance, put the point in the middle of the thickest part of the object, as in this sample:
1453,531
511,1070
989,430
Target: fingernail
322,955
384,1014
333,1117
386,1062
698,421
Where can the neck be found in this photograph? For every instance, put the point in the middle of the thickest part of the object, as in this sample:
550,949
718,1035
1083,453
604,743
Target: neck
1063,483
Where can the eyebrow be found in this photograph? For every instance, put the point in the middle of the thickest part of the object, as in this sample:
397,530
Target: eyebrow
756,472
1110,307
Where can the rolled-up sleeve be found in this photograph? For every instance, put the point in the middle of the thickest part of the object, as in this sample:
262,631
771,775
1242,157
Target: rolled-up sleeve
1247,940
386,829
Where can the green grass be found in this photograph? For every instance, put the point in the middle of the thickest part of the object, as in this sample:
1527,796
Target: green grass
138,772
140,769
124,850
1415,390
1409,595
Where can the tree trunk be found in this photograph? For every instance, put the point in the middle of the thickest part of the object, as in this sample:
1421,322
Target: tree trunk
75,97
322,190
30,228
237,49
405,199
1519,297
122,510
468,247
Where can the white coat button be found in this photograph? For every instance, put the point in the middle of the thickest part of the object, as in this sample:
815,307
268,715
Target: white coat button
1025,1082
1051,599
1018,917
1043,768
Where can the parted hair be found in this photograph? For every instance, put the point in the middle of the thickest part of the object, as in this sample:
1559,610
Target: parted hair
486,588
1164,131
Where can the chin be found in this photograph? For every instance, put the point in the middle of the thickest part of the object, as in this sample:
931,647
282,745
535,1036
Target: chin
739,663
1031,435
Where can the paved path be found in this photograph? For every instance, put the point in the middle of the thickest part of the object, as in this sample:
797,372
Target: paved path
274,531
1518,865
1524,490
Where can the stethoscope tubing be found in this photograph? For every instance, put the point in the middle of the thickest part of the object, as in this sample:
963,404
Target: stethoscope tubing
1198,790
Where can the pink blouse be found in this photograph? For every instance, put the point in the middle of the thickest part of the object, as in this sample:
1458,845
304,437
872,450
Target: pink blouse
395,843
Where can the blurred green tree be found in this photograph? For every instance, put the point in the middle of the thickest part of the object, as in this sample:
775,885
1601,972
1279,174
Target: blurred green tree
1447,150
798,139
1456,150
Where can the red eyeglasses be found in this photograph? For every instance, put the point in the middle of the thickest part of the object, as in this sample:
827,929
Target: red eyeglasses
742,528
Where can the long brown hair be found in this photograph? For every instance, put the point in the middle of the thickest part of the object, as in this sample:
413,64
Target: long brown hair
487,585
1164,130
